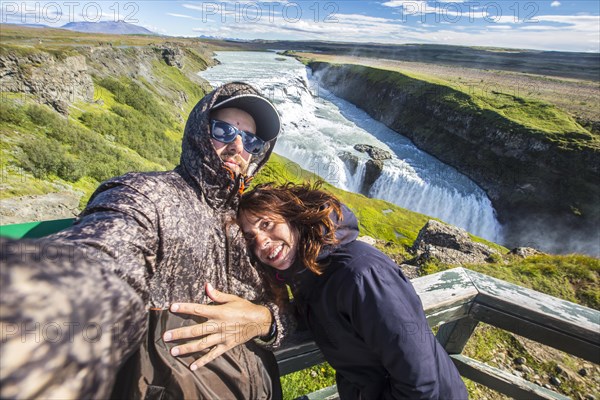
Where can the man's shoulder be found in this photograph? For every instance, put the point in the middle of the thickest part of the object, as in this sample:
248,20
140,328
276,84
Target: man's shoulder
133,178
151,184
140,180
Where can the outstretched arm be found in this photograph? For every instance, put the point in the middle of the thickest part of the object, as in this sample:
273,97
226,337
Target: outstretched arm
67,323
121,225
73,304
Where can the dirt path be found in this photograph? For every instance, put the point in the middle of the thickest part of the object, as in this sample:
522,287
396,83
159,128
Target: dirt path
50,206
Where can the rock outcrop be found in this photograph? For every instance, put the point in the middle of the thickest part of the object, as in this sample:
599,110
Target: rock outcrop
525,252
60,80
373,170
368,240
536,185
410,271
374,152
173,56
350,160
449,245
55,81
373,167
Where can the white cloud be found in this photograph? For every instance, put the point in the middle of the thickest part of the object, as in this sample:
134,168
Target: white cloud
537,27
581,24
183,16
410,7
246,10
577,33
499,27
555,4
503,19
360,19
514,38
360,28
400,3
570,19
350,27
445,10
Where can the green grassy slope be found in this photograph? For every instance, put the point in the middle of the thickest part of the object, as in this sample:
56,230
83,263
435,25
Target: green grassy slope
132,125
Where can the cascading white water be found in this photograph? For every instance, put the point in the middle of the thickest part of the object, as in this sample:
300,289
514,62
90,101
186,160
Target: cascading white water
318,127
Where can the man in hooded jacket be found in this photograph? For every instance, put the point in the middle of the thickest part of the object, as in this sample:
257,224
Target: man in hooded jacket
77,304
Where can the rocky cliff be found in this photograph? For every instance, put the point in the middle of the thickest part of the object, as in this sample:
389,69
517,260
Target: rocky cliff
121,107
60,79
56,81
545,187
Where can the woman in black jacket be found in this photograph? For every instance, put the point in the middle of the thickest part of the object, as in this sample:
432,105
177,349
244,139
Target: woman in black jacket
364,314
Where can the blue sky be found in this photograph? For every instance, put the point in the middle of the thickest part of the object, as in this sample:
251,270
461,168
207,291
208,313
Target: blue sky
545,24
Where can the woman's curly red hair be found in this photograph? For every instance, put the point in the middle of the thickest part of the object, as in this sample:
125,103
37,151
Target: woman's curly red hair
307,210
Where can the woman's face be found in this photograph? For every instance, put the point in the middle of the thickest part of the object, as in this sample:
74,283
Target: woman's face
273,242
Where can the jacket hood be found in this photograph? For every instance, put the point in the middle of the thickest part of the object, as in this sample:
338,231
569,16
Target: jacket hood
199,161
346,231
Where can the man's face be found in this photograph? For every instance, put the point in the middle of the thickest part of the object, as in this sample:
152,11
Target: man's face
233,154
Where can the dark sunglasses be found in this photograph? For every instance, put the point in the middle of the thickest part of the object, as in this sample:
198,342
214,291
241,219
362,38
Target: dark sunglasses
226,133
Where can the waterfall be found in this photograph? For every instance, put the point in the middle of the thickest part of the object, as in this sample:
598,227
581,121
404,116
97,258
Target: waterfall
319,128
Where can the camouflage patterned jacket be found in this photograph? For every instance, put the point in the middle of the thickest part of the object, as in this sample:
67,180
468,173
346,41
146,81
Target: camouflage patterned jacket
170,232
167,233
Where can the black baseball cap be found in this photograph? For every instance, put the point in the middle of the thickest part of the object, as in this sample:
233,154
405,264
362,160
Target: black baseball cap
262,111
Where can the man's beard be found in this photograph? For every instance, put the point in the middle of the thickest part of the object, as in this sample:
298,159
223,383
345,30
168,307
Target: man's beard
242,165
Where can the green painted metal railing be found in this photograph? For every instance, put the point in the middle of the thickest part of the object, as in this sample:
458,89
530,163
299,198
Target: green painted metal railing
33,230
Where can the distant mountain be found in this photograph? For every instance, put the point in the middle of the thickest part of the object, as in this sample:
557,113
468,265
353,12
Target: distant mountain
117,28
211,37
227,39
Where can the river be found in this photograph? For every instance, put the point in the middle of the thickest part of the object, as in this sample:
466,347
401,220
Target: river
318,127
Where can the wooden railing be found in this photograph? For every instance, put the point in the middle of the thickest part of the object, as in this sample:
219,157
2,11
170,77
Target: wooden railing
458,299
